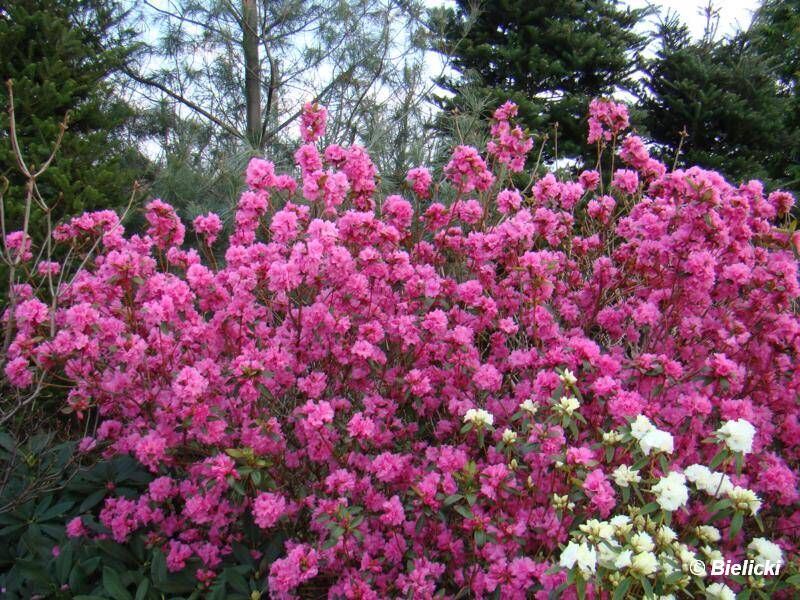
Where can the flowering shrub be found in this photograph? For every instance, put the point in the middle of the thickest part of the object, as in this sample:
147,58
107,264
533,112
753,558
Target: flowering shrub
556,390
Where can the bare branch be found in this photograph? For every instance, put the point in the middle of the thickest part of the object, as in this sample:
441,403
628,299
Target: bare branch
185,101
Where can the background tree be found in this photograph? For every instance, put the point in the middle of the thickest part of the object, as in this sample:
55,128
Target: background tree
722,97
550,57
776,34
226,81
61,56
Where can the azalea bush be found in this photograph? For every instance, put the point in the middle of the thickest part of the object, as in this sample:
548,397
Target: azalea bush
485,385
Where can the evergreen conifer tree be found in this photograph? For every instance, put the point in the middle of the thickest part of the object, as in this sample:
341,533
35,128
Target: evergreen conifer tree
550,57
722,97
61,55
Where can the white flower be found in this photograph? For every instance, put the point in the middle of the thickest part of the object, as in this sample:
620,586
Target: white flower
642,542
712,554
744,499
695,473
671,491
622,525
644,563
738,435
665,536
582,554
529,406
666,565
607,554
509,437
620,520
597,530
707,533
719,591
764,551
623,476
568,405
658,440
568,377
641,426
479,417
685,554
611,438
623,559
711,482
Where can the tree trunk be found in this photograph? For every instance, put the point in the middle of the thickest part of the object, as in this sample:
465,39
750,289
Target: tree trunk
252,71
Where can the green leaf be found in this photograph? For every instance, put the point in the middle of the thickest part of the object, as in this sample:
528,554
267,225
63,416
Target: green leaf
142,589
92,500
480,537
452,499
718,458
113,585
55,511
648,508
64,563
648,589
158,567
736,523
622,589
464,511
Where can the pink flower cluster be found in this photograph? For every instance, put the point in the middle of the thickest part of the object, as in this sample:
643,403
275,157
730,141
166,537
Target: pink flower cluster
509,144
313,119
390,388
606,120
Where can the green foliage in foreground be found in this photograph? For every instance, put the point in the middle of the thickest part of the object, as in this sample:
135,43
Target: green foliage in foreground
42,487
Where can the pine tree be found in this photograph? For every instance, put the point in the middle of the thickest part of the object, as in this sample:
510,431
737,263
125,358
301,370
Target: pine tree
550,57
776,34
723,99
61,55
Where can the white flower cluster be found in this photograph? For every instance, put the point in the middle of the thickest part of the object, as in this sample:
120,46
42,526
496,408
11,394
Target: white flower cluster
625,545
650,437
624,476
763,551
671,491
711,482
479,417
584,555
719,591
738,435
568,377
509,436
719,484
567,405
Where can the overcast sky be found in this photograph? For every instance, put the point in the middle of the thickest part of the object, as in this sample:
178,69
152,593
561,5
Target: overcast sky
733,14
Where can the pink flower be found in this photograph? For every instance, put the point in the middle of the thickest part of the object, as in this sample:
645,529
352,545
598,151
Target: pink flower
420,180
165,228
487,377
268,509
393,512
286,574
606,119
467,171
626,180
76,528
509,201
260,174
209,226
312,122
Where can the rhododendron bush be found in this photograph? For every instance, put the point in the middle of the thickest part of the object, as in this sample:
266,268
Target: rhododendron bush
469,388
